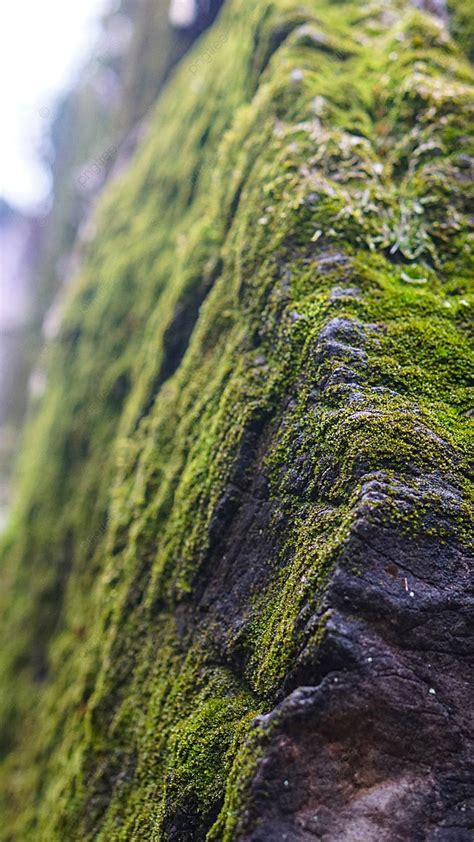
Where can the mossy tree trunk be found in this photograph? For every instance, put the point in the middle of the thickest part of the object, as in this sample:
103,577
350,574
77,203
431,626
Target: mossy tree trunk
235,588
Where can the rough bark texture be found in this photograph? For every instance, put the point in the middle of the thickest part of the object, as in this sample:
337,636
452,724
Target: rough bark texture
235,590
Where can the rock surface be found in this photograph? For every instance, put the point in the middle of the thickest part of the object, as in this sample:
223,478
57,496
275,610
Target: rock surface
235,592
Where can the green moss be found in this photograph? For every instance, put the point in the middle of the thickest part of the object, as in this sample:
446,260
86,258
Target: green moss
189,361
461,25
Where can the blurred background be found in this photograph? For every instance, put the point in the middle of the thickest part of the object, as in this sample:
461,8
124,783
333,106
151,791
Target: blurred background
76,82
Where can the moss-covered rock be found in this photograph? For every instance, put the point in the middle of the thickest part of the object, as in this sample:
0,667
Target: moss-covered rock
233,590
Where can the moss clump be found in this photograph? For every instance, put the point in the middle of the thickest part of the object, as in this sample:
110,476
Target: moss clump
247,344
461,25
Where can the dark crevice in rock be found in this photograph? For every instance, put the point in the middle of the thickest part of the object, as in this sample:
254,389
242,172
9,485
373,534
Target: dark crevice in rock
178,333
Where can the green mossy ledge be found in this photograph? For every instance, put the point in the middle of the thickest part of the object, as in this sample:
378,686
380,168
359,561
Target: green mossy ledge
233,589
